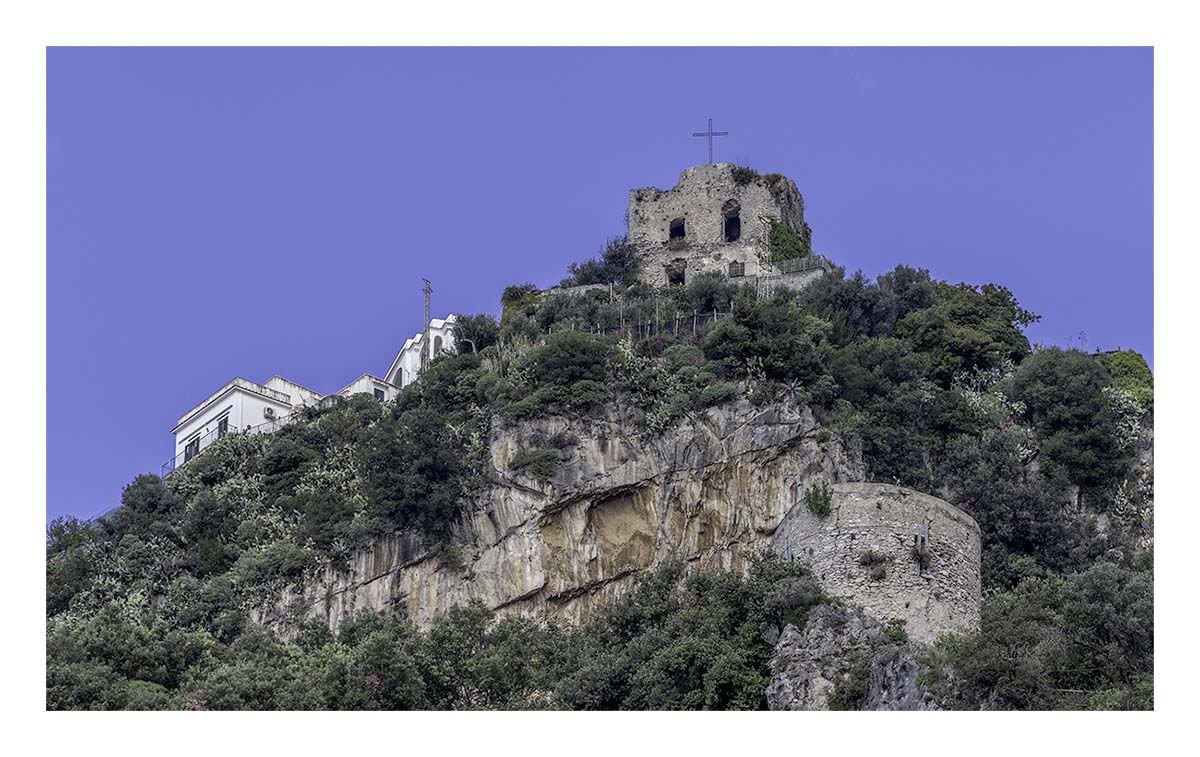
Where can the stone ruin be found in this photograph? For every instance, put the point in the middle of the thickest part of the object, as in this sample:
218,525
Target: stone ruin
712,221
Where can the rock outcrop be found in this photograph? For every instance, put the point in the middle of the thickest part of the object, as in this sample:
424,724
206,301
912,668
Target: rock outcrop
846,648
710,491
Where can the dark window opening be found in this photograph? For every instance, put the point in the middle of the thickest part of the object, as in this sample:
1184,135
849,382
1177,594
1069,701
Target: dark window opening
223,427
379,394
732,212
191,449
733,228
677,229
676,272
737,269
437,345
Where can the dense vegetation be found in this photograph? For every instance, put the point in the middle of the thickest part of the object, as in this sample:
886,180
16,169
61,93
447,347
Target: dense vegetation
935,382
698,642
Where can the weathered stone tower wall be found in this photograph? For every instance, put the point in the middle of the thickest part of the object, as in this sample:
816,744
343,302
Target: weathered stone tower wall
862,553
699,209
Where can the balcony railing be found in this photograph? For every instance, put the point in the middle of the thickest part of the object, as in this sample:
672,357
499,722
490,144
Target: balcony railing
796,265
206,440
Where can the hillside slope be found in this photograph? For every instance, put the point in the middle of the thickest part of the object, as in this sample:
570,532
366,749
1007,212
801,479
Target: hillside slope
570,461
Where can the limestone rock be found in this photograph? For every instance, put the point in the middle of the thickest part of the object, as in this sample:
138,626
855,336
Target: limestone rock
719,487
836,643
710,491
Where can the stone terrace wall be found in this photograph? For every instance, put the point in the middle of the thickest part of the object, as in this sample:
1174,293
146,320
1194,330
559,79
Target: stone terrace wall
943,597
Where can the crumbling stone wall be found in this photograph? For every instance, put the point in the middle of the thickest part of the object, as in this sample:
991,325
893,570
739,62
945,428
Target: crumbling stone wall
702,198
862,553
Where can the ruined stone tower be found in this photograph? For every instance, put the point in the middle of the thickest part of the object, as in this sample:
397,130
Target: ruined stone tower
715,219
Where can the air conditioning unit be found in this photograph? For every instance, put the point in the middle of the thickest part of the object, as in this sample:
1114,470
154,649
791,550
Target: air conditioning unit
269,412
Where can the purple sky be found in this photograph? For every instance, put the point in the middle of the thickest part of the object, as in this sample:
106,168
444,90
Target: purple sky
244,212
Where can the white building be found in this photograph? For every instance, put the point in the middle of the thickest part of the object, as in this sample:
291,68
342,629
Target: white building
408,361
373,385
242,405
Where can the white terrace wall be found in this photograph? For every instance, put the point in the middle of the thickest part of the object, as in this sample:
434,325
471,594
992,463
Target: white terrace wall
301,396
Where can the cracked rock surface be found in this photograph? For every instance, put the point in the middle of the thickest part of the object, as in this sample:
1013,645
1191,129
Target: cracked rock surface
710,491
835,644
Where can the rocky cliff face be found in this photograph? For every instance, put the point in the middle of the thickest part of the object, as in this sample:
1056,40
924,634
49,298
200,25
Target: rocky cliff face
710,491
847,648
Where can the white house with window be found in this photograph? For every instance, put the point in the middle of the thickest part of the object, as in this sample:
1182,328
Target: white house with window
373,385
243,405
239,405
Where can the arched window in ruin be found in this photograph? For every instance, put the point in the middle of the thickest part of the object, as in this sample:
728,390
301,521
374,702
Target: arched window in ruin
732,212
437,345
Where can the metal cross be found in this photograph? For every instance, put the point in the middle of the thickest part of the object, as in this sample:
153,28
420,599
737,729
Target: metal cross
710,134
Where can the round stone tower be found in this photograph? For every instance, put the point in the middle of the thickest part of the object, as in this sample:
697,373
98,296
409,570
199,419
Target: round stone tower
717,218
893,551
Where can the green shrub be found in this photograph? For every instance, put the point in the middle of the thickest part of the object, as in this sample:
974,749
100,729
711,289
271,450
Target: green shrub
785,243
479,330
876,563
278,560
743,175
616,264
850,691
517,300
1129,371
681,355
565,358
586,394
413,467
818,499
872,557
540,463
896,631
527,407
716,394
706,292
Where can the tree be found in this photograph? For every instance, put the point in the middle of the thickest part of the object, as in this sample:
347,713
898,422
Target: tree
148,507
1130,372
412,472
968,328
616,264
565,358
1063,392
473,333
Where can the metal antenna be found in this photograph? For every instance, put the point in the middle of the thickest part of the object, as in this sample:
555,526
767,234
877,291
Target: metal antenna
425,349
